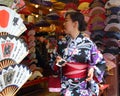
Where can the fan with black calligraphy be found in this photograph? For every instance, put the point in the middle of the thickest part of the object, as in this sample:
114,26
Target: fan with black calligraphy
11,22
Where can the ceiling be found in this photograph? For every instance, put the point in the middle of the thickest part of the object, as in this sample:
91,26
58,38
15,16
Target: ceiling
41,8
48,10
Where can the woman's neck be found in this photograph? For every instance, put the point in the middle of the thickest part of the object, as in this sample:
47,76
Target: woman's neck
75,34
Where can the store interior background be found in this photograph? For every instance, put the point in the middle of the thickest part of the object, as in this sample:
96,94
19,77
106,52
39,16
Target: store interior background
44,18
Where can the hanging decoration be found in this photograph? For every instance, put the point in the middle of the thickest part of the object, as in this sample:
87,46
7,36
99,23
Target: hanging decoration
41,2
13,4
42,23
8,3
70,6
25,10
83,6
53,16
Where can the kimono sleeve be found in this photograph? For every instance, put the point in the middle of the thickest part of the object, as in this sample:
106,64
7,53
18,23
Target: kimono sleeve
98,63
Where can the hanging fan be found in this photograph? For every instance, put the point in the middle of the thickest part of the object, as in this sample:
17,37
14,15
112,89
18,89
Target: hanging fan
14,4
11,22
24,11
42,23
70,6
19,4
13,48
83,6
41,2
53,16
8,3
12,79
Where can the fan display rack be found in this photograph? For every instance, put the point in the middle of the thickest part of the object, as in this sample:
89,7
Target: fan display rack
13,50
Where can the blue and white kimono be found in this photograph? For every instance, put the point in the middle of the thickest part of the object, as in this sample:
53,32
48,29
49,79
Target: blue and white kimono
81,50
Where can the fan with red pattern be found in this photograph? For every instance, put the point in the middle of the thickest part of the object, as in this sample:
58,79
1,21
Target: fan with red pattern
13,48
11,22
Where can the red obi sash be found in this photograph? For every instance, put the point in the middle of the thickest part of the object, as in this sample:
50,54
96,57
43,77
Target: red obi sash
75,70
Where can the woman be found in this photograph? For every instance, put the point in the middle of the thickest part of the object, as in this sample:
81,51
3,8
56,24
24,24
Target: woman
80,58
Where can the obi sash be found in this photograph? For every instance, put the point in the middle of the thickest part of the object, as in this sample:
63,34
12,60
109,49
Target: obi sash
75,70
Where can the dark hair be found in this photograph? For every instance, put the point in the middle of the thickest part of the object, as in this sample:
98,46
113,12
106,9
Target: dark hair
77,16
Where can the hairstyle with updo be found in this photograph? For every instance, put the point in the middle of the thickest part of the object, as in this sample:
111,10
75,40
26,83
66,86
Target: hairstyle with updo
77,16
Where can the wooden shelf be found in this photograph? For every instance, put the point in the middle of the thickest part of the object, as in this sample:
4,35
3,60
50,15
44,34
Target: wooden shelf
34,82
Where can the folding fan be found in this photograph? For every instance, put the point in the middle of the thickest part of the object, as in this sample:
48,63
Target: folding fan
13,47
19,4
84,6
11,22
53,16
97,10
8,3
42,23
12,79
14,4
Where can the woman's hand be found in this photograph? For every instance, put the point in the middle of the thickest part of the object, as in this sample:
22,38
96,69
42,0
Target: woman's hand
60,61
90,74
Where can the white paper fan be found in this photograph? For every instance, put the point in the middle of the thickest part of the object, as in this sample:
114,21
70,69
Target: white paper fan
8,3
11,22
12,79
13,48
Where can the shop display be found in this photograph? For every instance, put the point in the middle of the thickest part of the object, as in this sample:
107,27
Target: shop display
13,50
102,18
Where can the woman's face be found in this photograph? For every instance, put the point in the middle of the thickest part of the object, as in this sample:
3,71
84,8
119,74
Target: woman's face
68,25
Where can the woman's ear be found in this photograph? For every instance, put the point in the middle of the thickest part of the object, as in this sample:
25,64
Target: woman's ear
76,24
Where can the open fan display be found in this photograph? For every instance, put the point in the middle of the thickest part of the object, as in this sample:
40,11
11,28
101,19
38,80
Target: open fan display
12,51
12,47
12,79
11,22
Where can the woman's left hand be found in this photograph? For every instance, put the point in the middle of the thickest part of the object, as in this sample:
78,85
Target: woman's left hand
90,74
58,60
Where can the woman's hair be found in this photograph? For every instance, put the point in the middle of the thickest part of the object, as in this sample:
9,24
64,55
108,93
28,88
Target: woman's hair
77,16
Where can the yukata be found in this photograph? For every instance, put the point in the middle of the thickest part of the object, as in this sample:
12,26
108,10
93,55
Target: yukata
80,55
